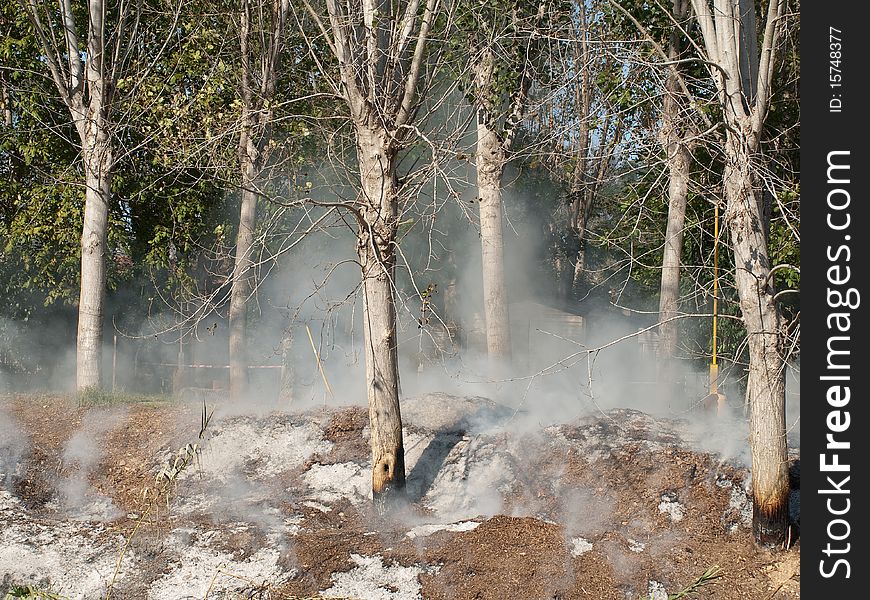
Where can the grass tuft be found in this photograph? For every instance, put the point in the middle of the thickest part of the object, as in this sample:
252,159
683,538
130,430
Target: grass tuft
29,592
94,396
709,576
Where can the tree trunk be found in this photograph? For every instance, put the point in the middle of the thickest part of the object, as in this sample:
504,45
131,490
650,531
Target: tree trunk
586,199
376,249
581,197
260,74
285,383
678,159
744,109
581,218
242,287
97,155
678,192
563,264
490,166
766,387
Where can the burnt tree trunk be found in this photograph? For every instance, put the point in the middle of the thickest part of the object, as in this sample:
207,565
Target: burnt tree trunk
766,386
745,102
380,48
377,255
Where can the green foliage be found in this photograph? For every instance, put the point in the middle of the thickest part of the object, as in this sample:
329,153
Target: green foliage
93,396
40,216
29,592
509,33
172,217
711,575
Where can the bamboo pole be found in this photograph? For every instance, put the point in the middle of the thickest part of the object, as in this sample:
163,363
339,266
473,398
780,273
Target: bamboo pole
319,363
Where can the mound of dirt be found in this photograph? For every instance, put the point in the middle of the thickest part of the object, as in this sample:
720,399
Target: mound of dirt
615,505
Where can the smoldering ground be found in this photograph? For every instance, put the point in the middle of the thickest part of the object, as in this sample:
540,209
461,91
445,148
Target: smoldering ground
271,495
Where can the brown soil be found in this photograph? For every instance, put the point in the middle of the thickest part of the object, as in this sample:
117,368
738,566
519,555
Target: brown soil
504,557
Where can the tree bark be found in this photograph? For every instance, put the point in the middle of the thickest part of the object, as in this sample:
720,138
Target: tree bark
678,159
766,387
678,192
490,162
254,138
285,381
376,250
578,228
97,155
380,69
744,112
242,288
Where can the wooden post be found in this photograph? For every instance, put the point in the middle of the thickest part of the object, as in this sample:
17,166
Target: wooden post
114,358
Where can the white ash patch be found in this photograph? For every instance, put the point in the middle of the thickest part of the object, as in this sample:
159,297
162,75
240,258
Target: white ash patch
198,568
671,507
267,448
14,446
8,501
656,591
202,503
580,546
317,506
739,511
636,546
471,481
68,558
342,480
88,505
429,529
424,458
415,444
597,436
372,580
293,524
233,502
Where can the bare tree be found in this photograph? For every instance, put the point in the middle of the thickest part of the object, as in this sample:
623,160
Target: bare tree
725,26
589,128
260,45
675,138
381,51
582,194
86,56
490,161
500,49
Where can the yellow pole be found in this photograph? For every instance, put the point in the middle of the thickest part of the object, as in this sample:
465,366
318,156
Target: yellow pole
714,367
319,364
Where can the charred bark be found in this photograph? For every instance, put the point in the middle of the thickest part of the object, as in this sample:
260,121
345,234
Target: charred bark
766,387
376,250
